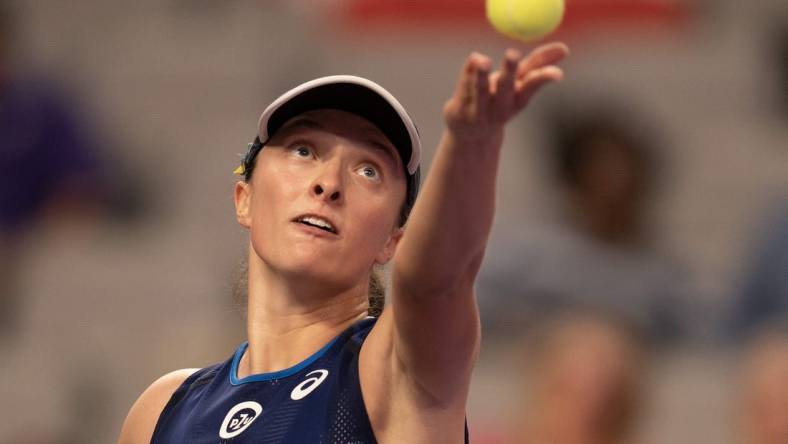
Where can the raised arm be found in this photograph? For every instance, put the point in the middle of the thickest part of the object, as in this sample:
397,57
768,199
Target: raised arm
435,317
451,221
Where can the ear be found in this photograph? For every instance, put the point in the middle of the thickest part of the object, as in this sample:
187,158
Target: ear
390,248
243,197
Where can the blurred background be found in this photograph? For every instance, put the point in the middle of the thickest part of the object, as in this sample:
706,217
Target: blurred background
636,283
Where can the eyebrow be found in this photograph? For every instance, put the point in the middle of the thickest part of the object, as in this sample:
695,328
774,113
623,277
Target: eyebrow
300,122
386,149
307,123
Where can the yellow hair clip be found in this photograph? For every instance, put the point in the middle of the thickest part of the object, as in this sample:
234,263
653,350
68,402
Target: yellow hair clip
241,170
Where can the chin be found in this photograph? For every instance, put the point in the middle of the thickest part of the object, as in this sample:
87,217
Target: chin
312,261
327,280
309,265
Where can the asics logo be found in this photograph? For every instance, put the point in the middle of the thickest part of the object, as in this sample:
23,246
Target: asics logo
308,385
239,418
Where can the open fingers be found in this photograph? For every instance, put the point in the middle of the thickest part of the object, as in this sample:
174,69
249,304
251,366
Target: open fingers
483,84
505,81
507,90
473,79
549,54
534,81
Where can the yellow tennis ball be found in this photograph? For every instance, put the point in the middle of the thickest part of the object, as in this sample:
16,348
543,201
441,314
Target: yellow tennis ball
525,20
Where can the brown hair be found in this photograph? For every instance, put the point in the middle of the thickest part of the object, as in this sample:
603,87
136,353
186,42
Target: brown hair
377,293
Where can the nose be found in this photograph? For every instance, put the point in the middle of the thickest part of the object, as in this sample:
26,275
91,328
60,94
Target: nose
331,194
328,185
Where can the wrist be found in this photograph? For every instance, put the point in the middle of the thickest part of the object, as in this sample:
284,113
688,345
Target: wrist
478,144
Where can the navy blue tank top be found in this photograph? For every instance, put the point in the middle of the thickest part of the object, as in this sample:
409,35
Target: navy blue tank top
316,401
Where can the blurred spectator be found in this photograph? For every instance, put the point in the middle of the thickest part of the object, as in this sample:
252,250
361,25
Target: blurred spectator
586,376
764,392
48,167
764,295
597,254
51,170
779,46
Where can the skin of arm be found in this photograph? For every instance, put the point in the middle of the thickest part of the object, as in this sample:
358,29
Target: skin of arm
427,341
144,414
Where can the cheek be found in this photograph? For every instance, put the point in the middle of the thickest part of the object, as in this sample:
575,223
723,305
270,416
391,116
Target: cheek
265,204
271,202
277,184
379,220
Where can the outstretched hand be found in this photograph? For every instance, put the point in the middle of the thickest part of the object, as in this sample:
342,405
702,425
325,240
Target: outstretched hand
483,102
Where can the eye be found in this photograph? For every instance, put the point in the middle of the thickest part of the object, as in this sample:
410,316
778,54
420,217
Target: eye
302,151
369,172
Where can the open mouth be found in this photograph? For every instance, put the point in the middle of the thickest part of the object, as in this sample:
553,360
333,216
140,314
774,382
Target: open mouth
317,222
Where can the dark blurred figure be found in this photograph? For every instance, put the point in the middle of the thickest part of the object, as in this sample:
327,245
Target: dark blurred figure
764,293
48,167
764,388
779,47
586,372
598,252
606,169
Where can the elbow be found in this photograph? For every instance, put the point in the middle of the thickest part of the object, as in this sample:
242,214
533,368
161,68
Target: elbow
436,281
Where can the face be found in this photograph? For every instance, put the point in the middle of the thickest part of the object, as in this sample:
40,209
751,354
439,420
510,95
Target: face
324,198
612,176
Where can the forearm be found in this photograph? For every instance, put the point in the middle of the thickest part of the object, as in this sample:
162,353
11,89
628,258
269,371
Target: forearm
451,220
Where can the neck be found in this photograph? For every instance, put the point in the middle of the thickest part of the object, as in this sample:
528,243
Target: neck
291,317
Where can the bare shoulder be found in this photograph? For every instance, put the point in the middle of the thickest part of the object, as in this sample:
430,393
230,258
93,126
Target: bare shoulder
141,420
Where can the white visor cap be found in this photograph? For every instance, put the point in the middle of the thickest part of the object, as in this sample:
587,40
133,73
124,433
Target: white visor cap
353,94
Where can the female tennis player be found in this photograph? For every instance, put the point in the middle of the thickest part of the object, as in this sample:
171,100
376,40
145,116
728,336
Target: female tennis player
328,185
